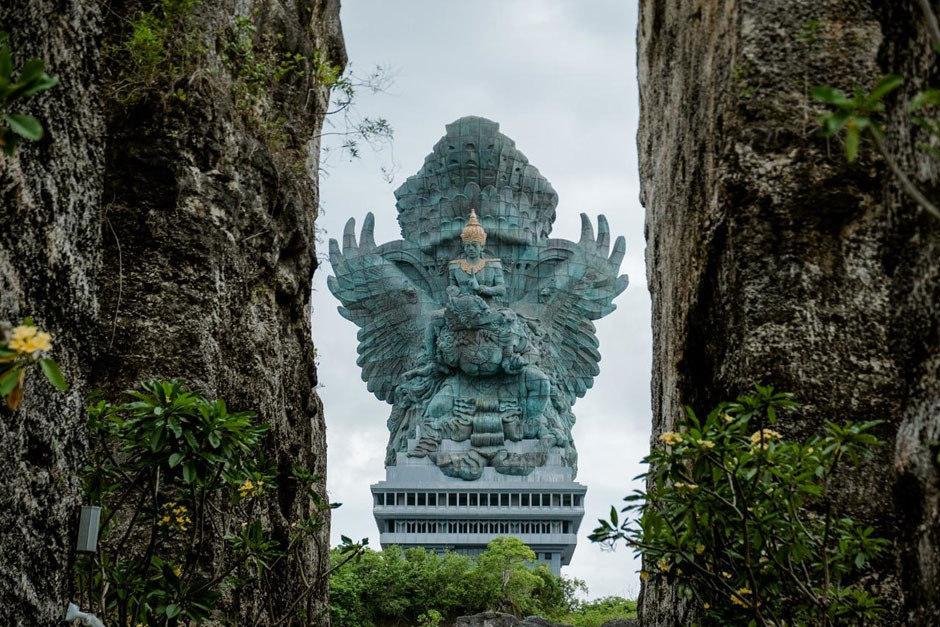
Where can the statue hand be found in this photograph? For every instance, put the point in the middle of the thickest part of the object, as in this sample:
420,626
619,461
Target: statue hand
475,285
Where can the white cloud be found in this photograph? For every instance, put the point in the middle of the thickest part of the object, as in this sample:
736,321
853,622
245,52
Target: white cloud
559,76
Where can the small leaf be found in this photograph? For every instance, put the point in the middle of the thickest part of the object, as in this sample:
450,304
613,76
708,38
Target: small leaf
884,87
173,610
6,62
930,97
189,472
829,95
852,138
8,380
157,439
175,459
25,126
31,70
52,371
42,83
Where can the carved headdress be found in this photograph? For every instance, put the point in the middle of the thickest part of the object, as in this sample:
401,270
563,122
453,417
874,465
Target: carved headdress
473,231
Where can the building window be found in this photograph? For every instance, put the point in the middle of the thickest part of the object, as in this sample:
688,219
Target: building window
432,499
390,525
473,499
566,500
452,499
401,499
504,500
547,556
514,500
411,498
556,500
536,501
577,500
566,527
463,499
422,499
525,500
380,499
546,500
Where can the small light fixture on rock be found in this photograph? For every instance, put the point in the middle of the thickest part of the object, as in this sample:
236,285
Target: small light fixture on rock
88,529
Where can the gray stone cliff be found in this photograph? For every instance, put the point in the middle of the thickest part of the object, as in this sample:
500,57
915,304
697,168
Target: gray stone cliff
771,259
160,238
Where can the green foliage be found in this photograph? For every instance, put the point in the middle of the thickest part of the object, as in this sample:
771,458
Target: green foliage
597,612
858,118
432,618
924,103
20,352
157,47
745,523
504,574
856,115
183,487
17,86
403,586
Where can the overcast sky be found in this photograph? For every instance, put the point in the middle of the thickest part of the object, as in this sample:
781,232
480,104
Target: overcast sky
559,76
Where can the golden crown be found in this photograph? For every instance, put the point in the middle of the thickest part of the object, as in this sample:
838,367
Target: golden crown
473,231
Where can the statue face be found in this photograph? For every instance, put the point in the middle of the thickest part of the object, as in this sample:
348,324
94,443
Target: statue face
472,250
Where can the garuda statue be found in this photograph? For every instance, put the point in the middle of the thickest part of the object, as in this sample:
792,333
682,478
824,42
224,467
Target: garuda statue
477,326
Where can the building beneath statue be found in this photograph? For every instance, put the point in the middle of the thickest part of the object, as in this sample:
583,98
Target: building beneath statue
477,327
418,506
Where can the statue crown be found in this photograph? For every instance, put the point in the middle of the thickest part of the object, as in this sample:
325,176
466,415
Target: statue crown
473,231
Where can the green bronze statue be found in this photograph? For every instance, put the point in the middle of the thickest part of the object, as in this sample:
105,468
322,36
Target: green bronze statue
477,326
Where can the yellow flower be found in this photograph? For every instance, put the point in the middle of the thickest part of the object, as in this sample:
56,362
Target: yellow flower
177,571
700,549
663,565
766,435
726,574
671,438
727,417
736,598
24,332
644,575
706,444
30,340
706,605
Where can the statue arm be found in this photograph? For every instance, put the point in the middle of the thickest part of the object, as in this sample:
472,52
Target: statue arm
499,286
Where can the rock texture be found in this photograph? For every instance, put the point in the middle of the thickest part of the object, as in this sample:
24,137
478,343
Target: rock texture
498,619
771,259
165,237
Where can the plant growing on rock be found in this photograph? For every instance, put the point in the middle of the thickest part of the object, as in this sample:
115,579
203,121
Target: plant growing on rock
15,87
21,351
859,117
184,492
744,522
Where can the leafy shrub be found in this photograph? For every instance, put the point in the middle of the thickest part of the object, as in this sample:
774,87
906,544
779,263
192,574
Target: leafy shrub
744,522
20,351
597,612
183,487
31,80
402,585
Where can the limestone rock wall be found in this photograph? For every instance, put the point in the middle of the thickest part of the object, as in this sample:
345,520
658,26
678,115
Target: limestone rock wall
160,236
50,256
771,259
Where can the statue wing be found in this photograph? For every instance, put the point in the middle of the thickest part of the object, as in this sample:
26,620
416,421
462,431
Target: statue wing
580,283
389,307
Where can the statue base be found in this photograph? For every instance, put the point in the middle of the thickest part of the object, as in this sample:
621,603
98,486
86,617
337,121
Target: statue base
418,505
